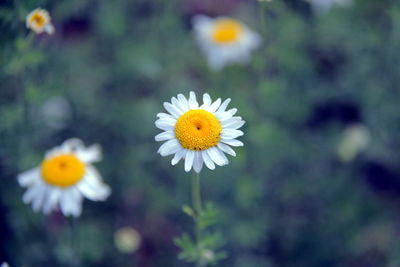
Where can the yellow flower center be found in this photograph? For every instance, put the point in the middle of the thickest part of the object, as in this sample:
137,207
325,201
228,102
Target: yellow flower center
63,170
226,31
198,129
39,19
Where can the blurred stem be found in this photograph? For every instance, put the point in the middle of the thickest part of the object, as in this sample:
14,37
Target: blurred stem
263,14
22,77
196,199
75,257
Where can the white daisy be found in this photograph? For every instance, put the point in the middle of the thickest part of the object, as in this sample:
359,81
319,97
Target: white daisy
39,21
198,134
225,40
63,178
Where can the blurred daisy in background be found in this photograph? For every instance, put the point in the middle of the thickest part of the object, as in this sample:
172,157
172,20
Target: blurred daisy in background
354,140
39,21
198,133
64,177
325,5
224,40
127,240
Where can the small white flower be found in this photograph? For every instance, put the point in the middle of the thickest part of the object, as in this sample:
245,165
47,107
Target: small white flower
127,240
39,21
198,133
355,139
64,177
225,40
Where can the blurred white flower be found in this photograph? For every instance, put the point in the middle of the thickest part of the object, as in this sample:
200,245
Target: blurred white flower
198,134
39,21
127,240
56,112
208,255
325,5
355,139
4,264
224,40
63,178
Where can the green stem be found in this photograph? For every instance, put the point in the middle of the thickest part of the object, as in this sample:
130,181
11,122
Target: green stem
196,199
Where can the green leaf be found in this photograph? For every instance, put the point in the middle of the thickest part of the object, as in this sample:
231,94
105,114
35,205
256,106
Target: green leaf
209,216
189,251
188,210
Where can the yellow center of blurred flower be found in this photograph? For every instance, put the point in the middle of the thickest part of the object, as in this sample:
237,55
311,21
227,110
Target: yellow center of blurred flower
63,170
39,19
198,129
226,31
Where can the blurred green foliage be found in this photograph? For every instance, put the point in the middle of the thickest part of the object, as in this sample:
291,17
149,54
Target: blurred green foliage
287,199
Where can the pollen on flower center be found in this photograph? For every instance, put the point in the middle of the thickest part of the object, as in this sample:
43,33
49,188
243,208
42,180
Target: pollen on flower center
63,170
226,31
39,19
198,129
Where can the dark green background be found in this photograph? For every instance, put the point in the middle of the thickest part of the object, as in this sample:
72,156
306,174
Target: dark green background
287,199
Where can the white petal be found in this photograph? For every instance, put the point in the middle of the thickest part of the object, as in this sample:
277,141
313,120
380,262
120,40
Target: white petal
88,190
53,197
224,105
164,115
29,177
165,124
183,102
72,145
222,117
216,156
193,101
49,28
41,195
95,192
232,111
232,142
222,155
164,136
214,106
65,202
170,147
90,154
230,133
92,185
189,160
176,103
197,162
227,149
175,112
207,160
166,121
233,123
71,202
178,155
206,101
31,193
226,115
